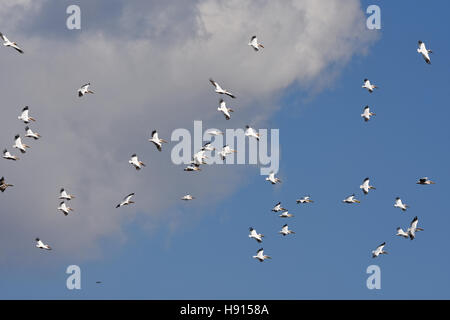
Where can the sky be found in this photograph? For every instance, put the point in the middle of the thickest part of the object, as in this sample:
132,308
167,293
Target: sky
149,63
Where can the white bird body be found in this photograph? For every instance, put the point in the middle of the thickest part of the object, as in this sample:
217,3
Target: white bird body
250,132
367,114
9,156
24,116
285,230
84,90
126,201
215,132
257,236
399,204
424,52
199,157
413,228
223,108
41,245
64,208
193,167
207,147
219,90
402,233
134,161
366,186
271,178
63,195
367,85
8,43
379,250
156,140
4,185
351,199
187,197
278,208
30,134
305,199
286,214
226,150
19,145
261,256
254,43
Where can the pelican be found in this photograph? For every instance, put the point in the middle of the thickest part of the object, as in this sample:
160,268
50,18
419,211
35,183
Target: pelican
156,140
226,150
272,178
286,214
250,132
424,181
126,201
399,204
8,43
366,186
187,197
367,85
305,199
219,90
254,43
379,250
367,114
134,161
402,233
257,236
199,158
30,134
64,208
19,145
223,108
351,199
425,53
4,185
285,230
413,228
41,245
261,256
207,147
9,156
215,132
84,90
278,208
193,167
63,195
24,115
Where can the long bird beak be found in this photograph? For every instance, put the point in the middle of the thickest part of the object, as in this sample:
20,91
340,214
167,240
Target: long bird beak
32,119
261,45
162,140
357,201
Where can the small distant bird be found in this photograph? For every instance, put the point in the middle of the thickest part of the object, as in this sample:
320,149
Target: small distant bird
286,214
134,161
30,134
257,236
366,186
41,245
193,167
367,114
402,233
156,140
24,116
250,132
278,208
4,185
9,156
8,43
64,208
254,43
399,204
187,197
351,199
219,90
126,201
413,228
272,178
19,145
199,157
305,199
424,181
98,282
424,52
207,147
367,85
84,90
223,108
285,230
215,132
226,150
379,250
261,256
63,195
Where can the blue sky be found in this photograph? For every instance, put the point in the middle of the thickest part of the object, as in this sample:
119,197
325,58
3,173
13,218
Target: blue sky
326,152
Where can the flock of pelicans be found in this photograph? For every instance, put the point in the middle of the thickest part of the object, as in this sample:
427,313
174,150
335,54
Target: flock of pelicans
198,159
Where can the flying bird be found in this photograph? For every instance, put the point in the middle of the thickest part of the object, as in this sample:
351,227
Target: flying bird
4,185
63,195
351,199
84,90
286,214
187,197
30,134
272,178
134,161
261,256
41,245
19,145
250,132
413,228
126,201
254,43
219,90
367,114
257,236
366,186
156,140
224,109
305,199
367,85
9,156
207,147
64,208
11,44
226,150
424,52
285,230
399,204
402,233
215,132
278,208
24,116
193,167
379,250
425,181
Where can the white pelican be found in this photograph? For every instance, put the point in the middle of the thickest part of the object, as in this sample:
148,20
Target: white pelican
219,90
424,52
278,208
9,156
156,140
134,161
413,228
402,233
367,114
272,178
226,150
30,134
41,245
379,250
399,204
187,197
425,181
254,43
366,186
84,90
199,157
286,214
126,201
223,108
24,116
261,256
64,208
285,230
367,85
193,167
351,199
63,195
19,145
305,199
257,236
214,132
4,185
207,147
250,132
8,43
